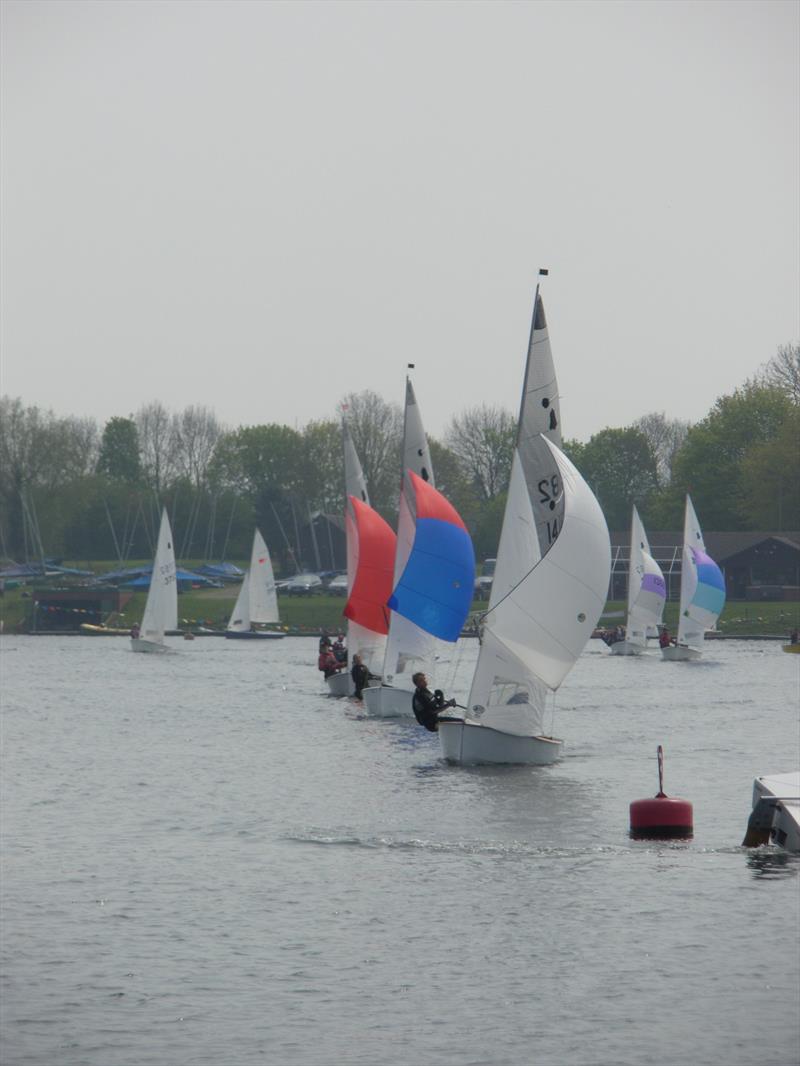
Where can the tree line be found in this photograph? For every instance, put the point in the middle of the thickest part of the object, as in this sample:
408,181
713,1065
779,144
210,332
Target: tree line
71,489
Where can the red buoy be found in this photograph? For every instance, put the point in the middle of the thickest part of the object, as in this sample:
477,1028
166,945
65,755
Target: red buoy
663,817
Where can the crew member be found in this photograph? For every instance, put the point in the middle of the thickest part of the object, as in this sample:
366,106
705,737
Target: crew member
360,675
327,662
427,704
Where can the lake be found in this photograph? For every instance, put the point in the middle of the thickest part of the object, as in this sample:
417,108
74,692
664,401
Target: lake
207,861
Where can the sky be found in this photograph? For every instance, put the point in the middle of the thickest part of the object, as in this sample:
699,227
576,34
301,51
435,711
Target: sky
261,207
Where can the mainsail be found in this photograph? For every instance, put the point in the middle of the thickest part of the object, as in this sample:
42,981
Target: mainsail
702,585
161,609
553,562
548,595
409,647
646,588
258,598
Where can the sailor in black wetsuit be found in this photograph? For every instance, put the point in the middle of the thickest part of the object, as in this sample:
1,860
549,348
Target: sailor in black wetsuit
361,676
427,704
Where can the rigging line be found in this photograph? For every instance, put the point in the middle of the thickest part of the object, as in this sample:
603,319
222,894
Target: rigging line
228,530
212,515
127,544
35,539
113,531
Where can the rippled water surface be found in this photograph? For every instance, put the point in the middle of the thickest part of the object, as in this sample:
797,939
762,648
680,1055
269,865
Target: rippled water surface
207,861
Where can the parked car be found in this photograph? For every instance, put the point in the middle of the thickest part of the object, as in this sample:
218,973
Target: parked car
303,584
483,583
338,586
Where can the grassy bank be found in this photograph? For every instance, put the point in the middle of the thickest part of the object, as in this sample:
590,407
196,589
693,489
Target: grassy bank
212,607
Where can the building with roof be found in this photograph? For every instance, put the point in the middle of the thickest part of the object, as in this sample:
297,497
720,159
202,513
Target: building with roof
756,566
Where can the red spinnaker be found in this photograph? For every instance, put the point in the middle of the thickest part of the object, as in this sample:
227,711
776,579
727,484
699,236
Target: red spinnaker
372,541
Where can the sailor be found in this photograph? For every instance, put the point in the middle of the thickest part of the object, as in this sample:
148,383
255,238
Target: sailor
135,631
339,649
360,675
664,639
427,704
327,662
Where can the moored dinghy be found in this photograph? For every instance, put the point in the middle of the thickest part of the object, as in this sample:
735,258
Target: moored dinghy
257,601
702,592
647,593
161,608
549,588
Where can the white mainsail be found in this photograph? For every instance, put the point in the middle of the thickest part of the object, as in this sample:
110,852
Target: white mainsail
409,648
258,598
702,586
550,582
161,609
550,596
646,589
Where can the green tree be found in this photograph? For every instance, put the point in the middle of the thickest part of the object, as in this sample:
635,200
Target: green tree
119,458
783,371
322,468
377,431
452,483
709,465
770,479
620,467
482,439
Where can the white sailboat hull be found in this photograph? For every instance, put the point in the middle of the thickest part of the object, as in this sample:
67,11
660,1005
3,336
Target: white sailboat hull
340,684
149,646
680,653
384,701
775,818
624,647
470,743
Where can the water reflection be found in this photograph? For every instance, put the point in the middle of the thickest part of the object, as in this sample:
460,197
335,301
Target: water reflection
772,865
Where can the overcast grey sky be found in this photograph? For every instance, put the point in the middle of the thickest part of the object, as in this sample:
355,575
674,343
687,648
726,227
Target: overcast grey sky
259,207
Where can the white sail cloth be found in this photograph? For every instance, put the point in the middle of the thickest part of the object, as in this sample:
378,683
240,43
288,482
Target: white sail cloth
544,606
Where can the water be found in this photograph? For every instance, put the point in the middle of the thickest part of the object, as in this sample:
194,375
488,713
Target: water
206,861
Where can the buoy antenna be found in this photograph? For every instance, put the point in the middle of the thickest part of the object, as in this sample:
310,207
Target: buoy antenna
661,791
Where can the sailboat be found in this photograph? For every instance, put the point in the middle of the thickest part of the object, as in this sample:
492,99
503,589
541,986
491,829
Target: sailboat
257,601
702,592
161,608
647,593
412,643
371,546
549,589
